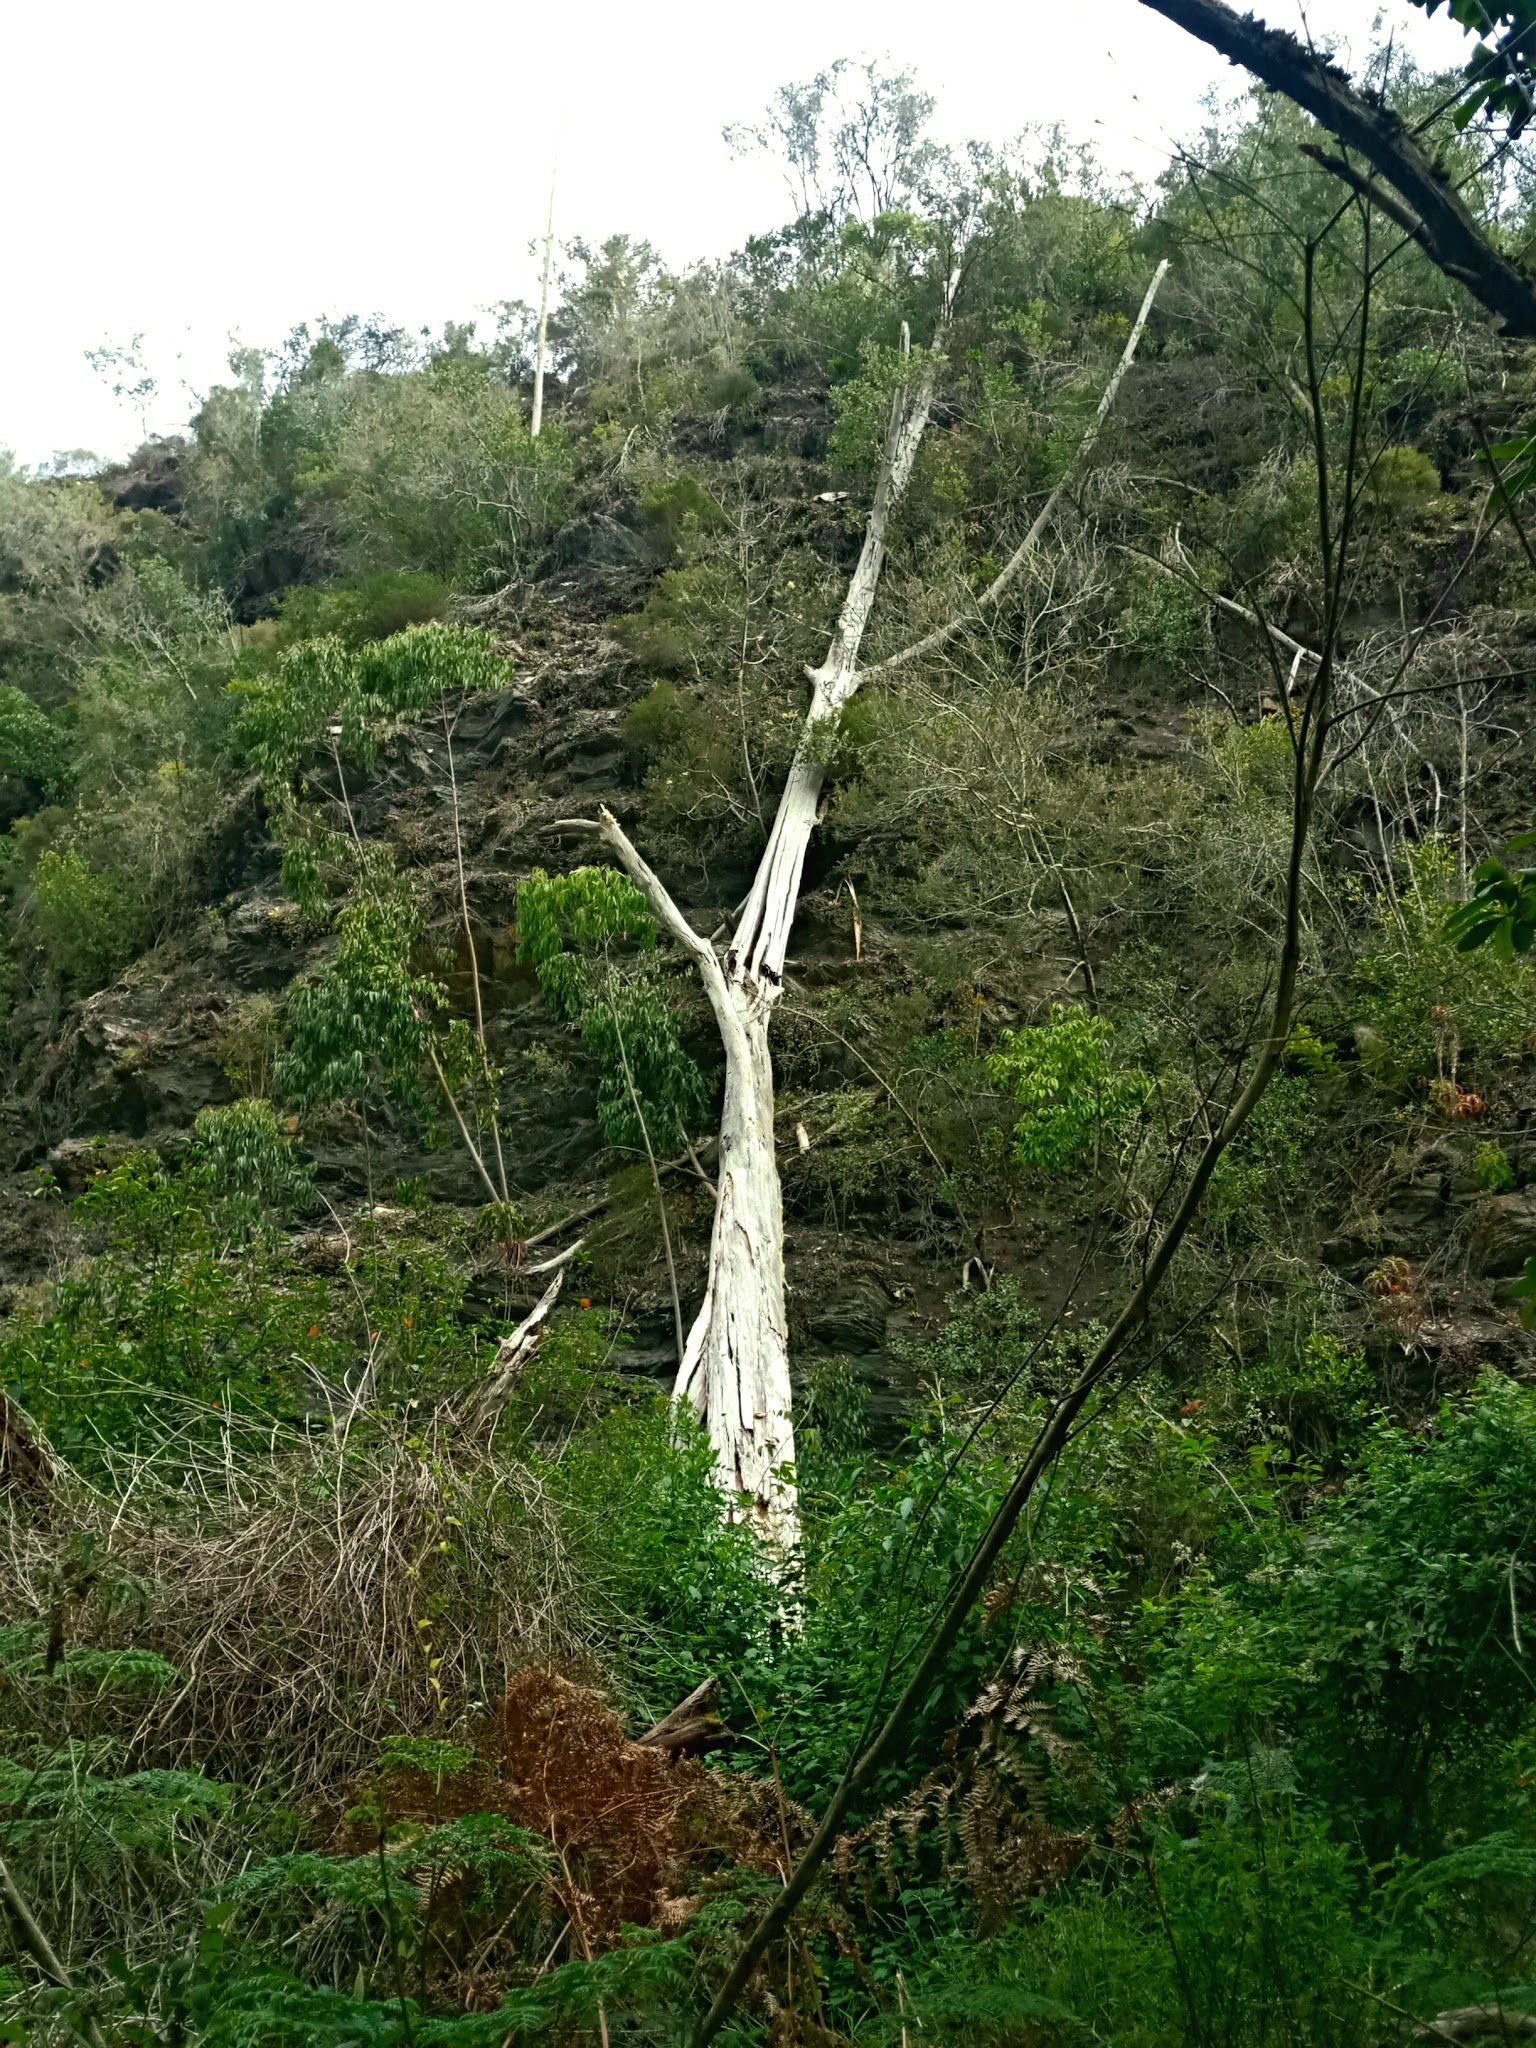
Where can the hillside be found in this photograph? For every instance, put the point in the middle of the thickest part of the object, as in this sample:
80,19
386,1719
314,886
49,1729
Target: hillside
409,1043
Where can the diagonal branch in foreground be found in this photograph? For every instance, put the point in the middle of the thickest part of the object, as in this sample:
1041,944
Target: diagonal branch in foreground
1432,211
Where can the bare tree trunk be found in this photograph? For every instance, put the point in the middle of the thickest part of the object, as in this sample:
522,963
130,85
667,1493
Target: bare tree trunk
537,419
734,1369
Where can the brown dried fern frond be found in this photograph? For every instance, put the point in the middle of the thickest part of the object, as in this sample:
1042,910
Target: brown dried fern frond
983,1818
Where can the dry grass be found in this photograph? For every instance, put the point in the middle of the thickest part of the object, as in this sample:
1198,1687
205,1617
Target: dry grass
314,1596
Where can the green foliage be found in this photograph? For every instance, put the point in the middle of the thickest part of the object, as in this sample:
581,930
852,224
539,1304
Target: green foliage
674,510
247,1161
576,930
1501,912
25,1659
437,474
1499,73
666,636
587,910
1402,481
85,920
1383,1640
70,1814
427,1756
248,1043
31,745
358,691
1239,1926
689,1593
863,406
362,1024
681,1587
1164,615
1491,1169
1270,1164
361,609
1320,1392
160,1334
1073,1097
1429,1000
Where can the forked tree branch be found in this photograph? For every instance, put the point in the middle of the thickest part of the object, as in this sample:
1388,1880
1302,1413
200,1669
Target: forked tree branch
671,919
1438,219
1008,574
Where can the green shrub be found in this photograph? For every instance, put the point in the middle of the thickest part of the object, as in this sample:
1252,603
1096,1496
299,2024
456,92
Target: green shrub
1491,1169
86,922
437,474
1320,1392
362,1023
1429,1005
863,406
1274,1159
247,1160
1163,615
674,510
1072,1095
366,608
732,390
31,746
1382,1636
362,690
682,1589
1402,481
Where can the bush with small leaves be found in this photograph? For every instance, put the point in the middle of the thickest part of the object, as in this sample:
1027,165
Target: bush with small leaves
1072,1095
32,746
1492,1170
355,694
365,608
84,917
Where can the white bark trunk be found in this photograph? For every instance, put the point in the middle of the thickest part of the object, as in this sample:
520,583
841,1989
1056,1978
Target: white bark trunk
735,1365
537,419
734,1370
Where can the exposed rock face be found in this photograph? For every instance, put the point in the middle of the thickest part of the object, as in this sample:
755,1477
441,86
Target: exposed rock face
149,481
1504,1233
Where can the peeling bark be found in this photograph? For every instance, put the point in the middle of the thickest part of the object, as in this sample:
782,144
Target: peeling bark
734,1370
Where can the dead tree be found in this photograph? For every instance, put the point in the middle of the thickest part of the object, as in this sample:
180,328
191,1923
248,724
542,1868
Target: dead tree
734,1370
1426,206
536,419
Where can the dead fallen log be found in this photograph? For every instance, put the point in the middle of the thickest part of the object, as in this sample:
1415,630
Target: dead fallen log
513,1358
692,1726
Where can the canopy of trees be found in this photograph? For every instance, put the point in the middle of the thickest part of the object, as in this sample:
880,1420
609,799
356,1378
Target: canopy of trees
768,1266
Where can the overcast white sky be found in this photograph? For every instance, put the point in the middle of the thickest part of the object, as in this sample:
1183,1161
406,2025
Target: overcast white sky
199,172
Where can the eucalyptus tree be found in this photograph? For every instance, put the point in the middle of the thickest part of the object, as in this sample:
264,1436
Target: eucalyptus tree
735,1367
